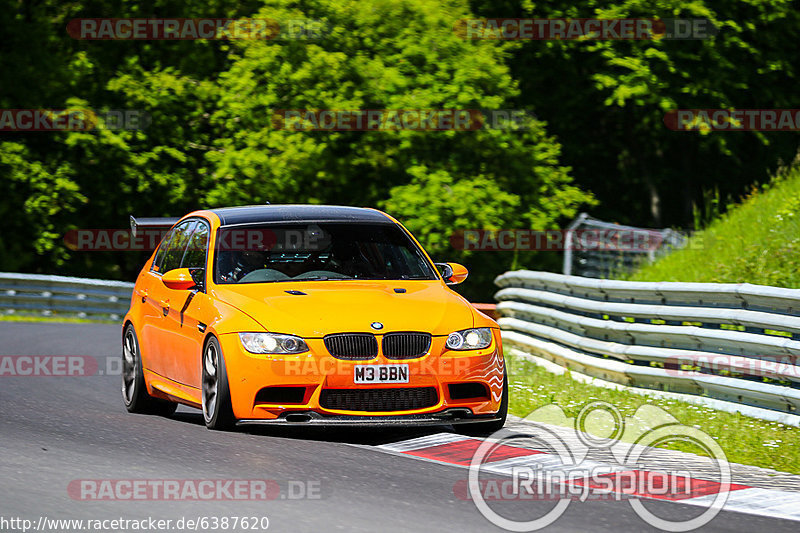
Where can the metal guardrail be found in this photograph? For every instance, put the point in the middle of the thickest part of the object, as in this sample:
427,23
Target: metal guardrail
61,296
698,338
608,258
733,342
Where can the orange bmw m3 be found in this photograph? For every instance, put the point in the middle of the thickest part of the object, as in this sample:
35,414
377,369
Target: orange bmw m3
307,315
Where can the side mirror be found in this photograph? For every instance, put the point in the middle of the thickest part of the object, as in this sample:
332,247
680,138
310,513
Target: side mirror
179,279
452,273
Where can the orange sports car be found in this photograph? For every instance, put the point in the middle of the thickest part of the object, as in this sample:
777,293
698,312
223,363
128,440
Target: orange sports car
306,315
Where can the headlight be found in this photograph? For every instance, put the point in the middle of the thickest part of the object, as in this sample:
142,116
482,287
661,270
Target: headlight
272,343
469,339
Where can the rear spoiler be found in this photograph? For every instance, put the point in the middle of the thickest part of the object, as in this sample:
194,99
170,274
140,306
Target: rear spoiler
152,223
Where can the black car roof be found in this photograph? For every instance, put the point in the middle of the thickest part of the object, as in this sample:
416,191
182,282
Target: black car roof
229,216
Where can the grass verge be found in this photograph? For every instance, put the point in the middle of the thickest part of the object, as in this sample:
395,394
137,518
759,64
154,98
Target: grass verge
745,440
757,242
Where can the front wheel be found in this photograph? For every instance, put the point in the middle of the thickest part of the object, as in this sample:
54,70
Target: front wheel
217,408
134,389
487,428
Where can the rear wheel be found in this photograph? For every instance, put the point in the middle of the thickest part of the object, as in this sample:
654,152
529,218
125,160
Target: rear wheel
487,428
217,408
134,389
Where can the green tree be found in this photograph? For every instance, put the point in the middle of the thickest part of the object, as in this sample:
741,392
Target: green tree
400,54
210,141
605,100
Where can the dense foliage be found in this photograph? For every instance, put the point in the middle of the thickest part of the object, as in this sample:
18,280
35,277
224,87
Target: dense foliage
757,242
599,134
605,100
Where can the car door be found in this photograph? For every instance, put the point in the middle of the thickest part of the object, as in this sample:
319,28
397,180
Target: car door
190,312
147,288
161,339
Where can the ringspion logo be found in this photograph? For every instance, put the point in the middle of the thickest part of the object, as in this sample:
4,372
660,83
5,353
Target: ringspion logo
568,474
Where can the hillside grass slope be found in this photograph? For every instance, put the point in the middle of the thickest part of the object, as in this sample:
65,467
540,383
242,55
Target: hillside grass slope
757,241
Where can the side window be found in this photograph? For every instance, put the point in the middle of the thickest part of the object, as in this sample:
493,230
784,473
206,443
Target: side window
158,262
177,246
413,262
195,256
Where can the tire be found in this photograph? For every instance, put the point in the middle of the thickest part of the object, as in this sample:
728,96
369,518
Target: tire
134,389
217,408
487,428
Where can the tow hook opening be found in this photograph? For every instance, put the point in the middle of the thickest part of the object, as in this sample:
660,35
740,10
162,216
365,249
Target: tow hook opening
459,413
298,418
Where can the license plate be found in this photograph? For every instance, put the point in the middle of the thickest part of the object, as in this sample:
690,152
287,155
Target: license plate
380,374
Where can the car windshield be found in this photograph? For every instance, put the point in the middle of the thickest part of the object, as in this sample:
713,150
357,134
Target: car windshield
317,252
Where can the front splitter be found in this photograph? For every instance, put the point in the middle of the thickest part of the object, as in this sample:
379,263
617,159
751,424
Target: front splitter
311,418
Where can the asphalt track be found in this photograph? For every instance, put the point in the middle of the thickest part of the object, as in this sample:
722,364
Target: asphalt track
54,430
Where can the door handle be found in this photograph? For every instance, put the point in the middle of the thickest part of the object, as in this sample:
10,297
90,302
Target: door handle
143,294
165,306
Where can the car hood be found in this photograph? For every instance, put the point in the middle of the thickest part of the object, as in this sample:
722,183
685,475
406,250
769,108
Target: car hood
350,306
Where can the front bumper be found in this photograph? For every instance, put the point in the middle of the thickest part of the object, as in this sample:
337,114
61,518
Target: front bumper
312,418
316,371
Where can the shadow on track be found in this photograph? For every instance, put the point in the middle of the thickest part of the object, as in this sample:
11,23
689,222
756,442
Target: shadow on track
355,435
